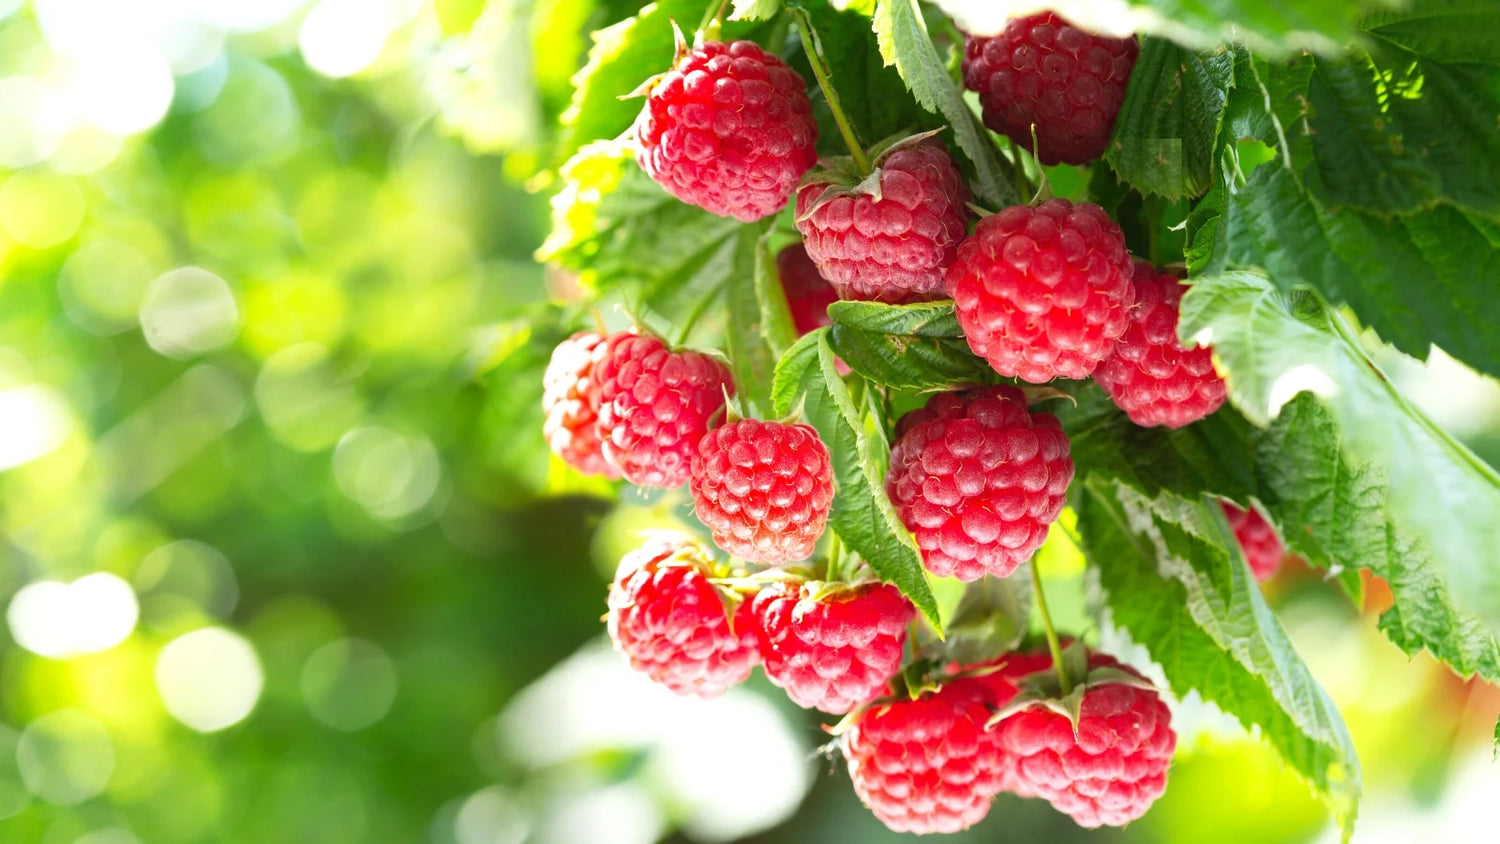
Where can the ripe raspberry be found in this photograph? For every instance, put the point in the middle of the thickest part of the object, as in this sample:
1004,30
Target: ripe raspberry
808,293
764,489
1111,769
670,622
1044,291
928,765
1263,549
889,241
978,479
1042,70
831,652
1149,375
729,129
655,405
570,398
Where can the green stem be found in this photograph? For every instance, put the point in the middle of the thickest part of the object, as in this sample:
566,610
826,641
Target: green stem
713,21
1153,222
1053,644
698,309
836,560
821,71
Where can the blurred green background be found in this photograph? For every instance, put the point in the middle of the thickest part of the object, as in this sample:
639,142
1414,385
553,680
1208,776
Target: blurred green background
283,555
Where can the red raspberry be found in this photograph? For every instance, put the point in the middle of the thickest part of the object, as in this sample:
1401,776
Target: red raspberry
670,622
808,293
929,765
1262,548
1042,70
1043,292
1111,769
728,129
890,241
831,652
764,489
655,405
978,479
570,398
1149,375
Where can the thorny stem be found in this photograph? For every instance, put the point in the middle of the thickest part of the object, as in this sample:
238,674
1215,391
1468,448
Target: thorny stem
821,71
1052,642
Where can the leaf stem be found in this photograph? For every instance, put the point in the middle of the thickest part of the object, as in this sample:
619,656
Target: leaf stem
1053,644
812,47
692,319
835,559
713,21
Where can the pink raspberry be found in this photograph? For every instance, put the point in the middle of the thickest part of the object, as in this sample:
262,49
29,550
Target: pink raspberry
1044,71
670,622
1149,375
655,405
978,479
570,398
1043,292
763,489
808,293
891,239
1262,548
1111,769
928,765
728,129
831,651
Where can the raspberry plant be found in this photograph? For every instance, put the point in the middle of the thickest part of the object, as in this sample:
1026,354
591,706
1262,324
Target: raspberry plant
1170,336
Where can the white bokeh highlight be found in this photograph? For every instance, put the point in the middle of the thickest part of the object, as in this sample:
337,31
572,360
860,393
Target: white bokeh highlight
189,311
209,679
34,422
61,620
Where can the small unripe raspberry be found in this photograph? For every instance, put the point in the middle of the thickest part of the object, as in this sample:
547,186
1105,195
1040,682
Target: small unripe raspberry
1043,292
570,398
1258,540
928,765
1106,772
808,293
763,489
978,479
888,238
655,405
1149,375
1044,71
831,651
728,129
671,623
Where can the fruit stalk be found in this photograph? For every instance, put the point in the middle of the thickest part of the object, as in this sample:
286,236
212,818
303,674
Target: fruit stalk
820,69
1053,644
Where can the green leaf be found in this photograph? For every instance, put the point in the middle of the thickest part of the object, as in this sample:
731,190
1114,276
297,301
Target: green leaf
1436,492
1172,576
750,353
902,34
1165,133
775,312
754,10
992,618
910,347
863,516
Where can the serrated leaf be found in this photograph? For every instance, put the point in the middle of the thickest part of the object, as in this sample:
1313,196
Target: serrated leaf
991,619
903,39
863,516
750,353
1172,577
909,347
1436,491
1165,134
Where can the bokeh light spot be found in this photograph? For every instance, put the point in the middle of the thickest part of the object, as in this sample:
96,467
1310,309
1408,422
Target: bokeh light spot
183,578
34,421
391,476
342,37
307,402
123,89
189,311
13,793
209,679
349,684
40,209
58,620
102,284
65,757
33,118
490,816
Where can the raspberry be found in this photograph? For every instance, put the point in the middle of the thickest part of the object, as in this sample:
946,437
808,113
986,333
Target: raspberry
831,651
655,405
670,622
890,240
764,489
808,293
1107,772
728,129
1149,375
978,479
570,398
1258,540
1043,292
928,765
1044,71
